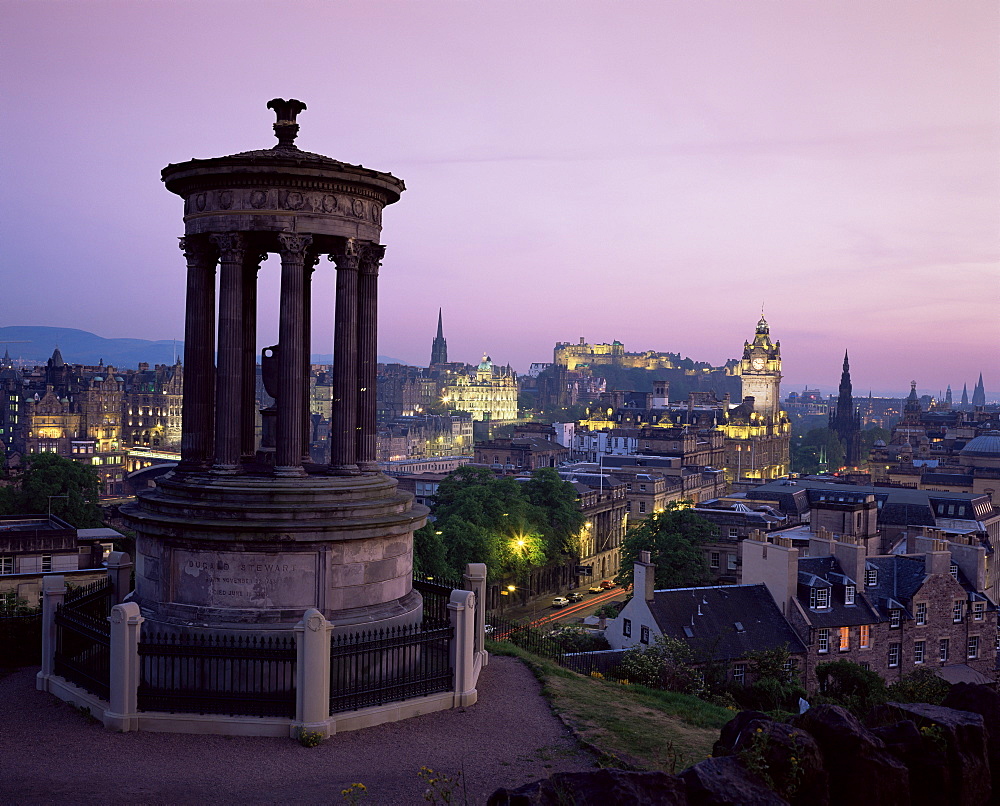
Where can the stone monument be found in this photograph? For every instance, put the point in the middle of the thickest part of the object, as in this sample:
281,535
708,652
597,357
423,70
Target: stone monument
241,536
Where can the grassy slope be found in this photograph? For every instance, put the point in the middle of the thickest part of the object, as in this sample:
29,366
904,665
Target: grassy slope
646,729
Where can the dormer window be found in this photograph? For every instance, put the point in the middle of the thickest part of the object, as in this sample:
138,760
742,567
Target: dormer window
871,577
895,619
953,570
819,598
849,594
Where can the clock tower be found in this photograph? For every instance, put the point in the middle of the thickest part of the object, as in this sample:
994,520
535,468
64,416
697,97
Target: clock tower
760,369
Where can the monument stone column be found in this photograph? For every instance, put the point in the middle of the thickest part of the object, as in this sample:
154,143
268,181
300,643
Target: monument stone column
344,421
292,356
198,401
365,443
251,265
229,375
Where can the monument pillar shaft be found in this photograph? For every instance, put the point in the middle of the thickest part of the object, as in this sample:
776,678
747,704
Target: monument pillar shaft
310,264
291,355
365,444
248,403
198,404
344,422
229,378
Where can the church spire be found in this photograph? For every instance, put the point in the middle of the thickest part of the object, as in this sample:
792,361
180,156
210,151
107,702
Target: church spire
845,420
439,347
979,393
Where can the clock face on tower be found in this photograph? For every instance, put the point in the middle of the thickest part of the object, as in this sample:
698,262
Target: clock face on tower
757,363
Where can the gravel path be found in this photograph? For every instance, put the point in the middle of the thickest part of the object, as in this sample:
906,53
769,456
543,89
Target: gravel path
51,754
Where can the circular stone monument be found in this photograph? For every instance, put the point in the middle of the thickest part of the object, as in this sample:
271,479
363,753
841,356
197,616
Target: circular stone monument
241,534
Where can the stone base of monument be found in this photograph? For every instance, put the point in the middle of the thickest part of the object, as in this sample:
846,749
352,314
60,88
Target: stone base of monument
242,552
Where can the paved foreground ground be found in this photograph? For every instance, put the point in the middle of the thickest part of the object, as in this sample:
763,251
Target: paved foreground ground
51,754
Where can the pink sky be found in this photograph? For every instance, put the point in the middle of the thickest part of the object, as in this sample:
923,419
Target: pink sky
647,172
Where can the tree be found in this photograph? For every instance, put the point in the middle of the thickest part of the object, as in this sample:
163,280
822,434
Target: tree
851,685
675,540
819,443
774,685
920,685
70,487
668,663
487,519
556,510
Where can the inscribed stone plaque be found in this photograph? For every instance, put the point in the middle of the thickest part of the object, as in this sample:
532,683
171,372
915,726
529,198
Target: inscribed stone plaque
238,579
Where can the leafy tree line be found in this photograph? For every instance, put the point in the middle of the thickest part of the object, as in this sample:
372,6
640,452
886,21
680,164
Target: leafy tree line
511,526
807,449
46,479
675,539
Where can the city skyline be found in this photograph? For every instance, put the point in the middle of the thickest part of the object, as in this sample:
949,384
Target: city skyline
651,176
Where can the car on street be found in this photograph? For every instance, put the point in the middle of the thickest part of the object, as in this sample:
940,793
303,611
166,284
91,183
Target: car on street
607,585
575,596
596,588
560,601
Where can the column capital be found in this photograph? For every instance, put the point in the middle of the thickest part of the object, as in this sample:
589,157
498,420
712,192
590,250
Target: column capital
197,250
350,257
371,258
231,245
293,245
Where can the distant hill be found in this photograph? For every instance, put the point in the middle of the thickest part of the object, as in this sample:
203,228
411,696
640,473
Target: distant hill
34,346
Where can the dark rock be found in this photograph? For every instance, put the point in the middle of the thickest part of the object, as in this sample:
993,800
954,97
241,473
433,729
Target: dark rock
984,701
860,767
787,759
598,788
930,773
726,782
733,728
961,736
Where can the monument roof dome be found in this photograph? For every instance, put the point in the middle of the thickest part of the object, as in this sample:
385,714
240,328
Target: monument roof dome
987,444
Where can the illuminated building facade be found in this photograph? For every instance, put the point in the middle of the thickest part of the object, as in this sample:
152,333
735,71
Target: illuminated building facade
488,394
757,431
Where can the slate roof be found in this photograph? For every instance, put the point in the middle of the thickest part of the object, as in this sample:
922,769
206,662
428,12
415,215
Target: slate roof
724,609
826,572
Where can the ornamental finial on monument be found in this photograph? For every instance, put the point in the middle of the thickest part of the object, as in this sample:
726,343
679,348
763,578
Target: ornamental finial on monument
285,128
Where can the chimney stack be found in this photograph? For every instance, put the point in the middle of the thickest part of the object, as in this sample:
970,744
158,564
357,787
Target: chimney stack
644,577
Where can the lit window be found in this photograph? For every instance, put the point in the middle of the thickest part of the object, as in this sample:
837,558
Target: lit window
943,650
973,647
920,615
845,639
978,610
864,636
956,612
739,673
627,627
849,595
823,639
918,651
893,654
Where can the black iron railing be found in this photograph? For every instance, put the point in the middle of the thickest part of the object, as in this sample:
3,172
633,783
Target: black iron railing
436,594
384,666
83,638
235,675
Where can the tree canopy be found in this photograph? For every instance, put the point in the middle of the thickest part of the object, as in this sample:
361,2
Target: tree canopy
814,445
46,478
509,525
675,540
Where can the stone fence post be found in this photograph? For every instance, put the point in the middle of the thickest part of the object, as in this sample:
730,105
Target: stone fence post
312,673
475,581
123,708
53,595
120,574
462,612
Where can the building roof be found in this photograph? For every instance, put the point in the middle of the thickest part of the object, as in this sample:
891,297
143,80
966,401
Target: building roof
725,621
827,572
987,444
